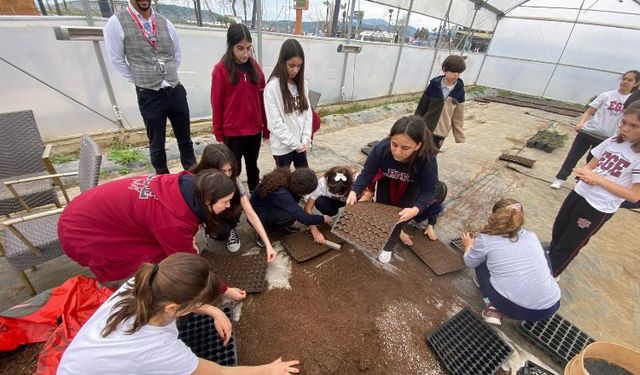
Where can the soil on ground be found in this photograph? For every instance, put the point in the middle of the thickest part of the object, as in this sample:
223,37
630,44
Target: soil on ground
346,313
22,361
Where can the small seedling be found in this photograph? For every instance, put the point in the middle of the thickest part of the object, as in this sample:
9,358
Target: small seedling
125,157
60,158
124,170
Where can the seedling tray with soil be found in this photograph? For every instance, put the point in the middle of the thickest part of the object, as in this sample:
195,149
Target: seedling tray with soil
247,272
518,160
436,255
367,225
302,247
531,368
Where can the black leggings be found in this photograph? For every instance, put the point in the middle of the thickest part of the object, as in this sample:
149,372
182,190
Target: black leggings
249,147
581,144
575,223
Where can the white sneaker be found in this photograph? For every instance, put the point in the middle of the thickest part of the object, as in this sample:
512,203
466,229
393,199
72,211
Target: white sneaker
385,256
557,183
233,242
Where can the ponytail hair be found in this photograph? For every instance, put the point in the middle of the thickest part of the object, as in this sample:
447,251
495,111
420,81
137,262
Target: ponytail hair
300,182
415,128
182,278
339,180
506,219
633,109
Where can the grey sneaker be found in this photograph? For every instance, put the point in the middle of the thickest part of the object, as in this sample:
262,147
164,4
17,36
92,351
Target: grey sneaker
557,184
233,242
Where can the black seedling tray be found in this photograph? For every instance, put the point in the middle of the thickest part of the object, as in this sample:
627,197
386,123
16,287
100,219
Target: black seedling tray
198,332
557,336
457,243
467,346
530,368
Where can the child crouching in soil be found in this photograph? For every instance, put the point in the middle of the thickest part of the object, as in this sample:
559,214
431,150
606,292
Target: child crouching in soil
330,195
511,268
134,331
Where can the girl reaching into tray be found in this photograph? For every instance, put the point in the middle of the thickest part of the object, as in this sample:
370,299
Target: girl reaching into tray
405,171
134,331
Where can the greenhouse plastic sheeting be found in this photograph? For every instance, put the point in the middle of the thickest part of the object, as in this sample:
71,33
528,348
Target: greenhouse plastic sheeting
529,39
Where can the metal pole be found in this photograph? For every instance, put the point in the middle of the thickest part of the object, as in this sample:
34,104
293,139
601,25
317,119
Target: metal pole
336,15
103,68
555,67
435,51
493,34
395,69
470,33
43,9
346,55
259,26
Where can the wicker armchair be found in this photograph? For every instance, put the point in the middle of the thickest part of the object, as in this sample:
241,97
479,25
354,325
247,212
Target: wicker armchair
32,240
22,155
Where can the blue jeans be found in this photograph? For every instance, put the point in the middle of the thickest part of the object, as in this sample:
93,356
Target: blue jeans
299,159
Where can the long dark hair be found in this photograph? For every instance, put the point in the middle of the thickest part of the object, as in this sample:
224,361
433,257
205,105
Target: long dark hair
637,75
181,278
236,34
300,182
291,48
215,156
210,186
633,109
415,128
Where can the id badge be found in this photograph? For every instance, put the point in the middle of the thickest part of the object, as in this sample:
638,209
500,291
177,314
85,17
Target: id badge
160,66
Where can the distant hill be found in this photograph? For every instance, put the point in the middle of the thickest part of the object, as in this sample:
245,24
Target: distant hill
185,15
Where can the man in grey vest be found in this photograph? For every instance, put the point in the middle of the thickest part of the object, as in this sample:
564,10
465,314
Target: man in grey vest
143,47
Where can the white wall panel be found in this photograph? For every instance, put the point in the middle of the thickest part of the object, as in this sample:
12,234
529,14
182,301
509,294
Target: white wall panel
369,73
530,39
70,67
520,76
604,48
579,85
413,70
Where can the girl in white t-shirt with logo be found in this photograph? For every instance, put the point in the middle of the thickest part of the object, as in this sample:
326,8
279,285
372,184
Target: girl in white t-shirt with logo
611,177
134,331
606,110
330,195
286,102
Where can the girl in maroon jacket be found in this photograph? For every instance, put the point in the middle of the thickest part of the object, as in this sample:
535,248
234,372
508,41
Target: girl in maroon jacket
239,120
115,227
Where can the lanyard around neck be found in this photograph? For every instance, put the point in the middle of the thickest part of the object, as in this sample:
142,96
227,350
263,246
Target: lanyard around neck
151,37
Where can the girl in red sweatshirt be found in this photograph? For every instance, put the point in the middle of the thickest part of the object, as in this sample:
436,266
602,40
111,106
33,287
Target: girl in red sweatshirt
239,120
117,226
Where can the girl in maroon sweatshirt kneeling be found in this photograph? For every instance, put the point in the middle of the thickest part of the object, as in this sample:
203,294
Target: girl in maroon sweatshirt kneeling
115,227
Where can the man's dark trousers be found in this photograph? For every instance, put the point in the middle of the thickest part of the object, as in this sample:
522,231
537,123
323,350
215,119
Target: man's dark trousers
155,108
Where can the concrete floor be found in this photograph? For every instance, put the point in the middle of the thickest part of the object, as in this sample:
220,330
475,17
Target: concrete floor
601,288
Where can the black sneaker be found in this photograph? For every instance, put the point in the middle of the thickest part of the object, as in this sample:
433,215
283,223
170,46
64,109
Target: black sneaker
233,242
259,242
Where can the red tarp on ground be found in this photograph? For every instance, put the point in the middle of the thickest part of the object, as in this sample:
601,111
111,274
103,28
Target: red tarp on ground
54,316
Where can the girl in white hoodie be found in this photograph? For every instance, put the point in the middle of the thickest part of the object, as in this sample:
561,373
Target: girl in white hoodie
286,101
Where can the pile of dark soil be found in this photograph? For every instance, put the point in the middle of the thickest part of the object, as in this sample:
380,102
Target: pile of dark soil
22,361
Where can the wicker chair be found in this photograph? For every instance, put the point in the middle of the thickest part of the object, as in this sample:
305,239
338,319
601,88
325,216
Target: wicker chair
32,240
22,155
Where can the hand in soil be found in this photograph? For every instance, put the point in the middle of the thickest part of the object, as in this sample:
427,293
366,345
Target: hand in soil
223,327
280,367
367,196
317,236
271,253
430,233
408,214
467,241
405,238
235,294
351,199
